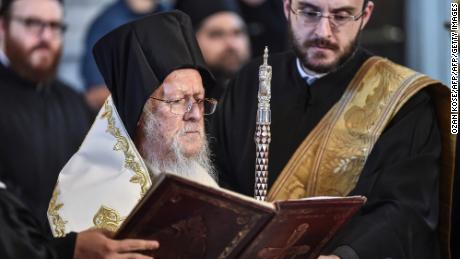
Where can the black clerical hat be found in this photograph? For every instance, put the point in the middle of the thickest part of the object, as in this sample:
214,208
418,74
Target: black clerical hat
135,58
199,10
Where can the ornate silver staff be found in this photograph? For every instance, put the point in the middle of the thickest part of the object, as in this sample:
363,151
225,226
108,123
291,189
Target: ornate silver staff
262,135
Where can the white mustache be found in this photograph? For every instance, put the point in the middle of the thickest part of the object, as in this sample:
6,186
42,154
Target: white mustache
191,128
175,161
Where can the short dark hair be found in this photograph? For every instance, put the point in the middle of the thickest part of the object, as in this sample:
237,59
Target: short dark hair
5,7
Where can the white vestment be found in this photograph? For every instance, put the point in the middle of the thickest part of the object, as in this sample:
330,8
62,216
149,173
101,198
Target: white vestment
103,181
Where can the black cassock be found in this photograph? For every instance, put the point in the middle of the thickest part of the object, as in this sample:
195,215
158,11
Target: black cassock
21,236
40,129
400,177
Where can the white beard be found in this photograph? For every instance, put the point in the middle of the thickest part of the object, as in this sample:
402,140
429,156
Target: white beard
175,162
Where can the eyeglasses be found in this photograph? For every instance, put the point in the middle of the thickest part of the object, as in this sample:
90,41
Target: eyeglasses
313,17
37,26
182,106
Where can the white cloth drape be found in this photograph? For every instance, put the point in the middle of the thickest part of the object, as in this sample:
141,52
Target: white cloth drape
102,182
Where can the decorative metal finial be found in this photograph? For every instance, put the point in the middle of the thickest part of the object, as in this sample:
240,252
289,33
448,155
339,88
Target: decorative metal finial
266,56
263,135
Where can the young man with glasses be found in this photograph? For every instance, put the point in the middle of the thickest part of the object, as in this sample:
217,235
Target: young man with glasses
346,122
42,120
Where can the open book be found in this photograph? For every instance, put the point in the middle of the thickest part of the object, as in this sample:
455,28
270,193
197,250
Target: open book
191,220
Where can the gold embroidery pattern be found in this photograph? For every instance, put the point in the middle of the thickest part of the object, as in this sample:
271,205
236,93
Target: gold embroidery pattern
107,218
355,134
331,158
53,211
140,177
357,130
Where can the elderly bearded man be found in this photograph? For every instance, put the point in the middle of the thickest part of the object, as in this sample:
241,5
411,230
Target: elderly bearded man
153,122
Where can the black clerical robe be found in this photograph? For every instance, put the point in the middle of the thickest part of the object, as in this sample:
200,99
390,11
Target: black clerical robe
21,236
456,208
400,177
41,126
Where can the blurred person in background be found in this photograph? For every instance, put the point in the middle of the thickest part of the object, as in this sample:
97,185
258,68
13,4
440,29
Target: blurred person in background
116,14
42,120
266,25
222,36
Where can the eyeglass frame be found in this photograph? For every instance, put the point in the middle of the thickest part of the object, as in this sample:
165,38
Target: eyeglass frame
330,17
189,105
57,28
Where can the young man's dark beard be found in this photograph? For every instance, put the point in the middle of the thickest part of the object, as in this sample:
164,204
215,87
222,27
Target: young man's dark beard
221,71
347,55
20,63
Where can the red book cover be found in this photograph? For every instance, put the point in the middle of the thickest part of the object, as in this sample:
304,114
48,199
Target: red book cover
191,220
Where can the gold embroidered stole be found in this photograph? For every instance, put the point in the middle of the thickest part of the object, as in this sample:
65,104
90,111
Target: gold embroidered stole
330,160
117,141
